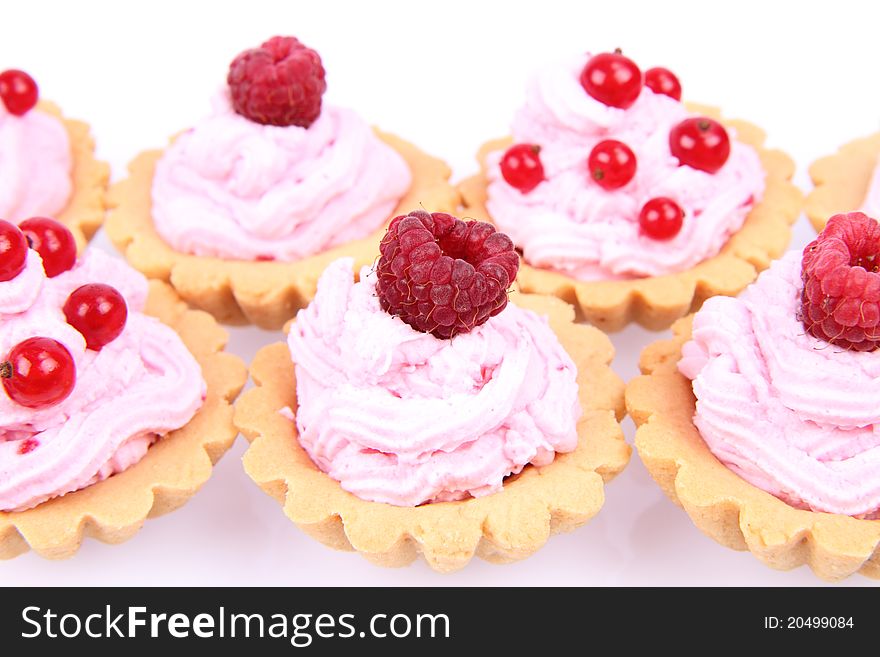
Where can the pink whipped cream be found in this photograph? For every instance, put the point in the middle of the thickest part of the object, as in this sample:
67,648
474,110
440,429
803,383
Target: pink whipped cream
234,188
402,417
571,225
871,204
791,414
35,165
138,387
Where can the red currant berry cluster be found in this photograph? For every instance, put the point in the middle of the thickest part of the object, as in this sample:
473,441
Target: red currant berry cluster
18,91
616,80
52,240
39,371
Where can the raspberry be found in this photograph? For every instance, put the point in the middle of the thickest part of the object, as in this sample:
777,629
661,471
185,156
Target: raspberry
840,302
442,275
279,83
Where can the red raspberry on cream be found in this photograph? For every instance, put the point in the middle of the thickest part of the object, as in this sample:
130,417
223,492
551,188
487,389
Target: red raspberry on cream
788,412
279,83
234,188
841,275
443,275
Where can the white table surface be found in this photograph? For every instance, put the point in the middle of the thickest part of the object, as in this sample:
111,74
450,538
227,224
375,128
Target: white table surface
446,75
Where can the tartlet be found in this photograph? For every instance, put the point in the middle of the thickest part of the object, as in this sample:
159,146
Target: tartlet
172,470
759,417
278,197
500,527
842,180
654,301
724,506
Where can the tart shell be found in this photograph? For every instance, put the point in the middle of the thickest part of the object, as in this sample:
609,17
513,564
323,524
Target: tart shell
720,503
842,180
657,301
501,527
239,291
172,470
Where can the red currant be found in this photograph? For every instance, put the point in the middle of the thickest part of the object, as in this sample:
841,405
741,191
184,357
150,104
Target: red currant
612,79
97,311
53,242
661,218
663,81
521,167
701,143
38,372
18,91
612,164
13,251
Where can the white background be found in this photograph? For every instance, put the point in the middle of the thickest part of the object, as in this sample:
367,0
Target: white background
446,75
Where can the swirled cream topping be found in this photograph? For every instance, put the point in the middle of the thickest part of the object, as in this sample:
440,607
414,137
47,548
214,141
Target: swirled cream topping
405,418
791,414
137,388
35,165
234,188
568,223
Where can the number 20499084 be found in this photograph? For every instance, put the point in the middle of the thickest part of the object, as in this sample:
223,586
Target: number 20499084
808,622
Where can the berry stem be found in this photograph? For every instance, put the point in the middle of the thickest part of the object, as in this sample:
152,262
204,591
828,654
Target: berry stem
5,370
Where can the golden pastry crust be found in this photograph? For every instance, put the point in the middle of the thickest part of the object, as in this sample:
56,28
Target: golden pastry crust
724,506
655,302
841,180
239,291
173,469
84,212
503,527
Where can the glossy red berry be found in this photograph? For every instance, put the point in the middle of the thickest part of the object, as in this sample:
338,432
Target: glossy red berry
661,218
613,79
612,164
38,372
53,242
521,167
13,251
18,91
701,143
663,81
97,311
